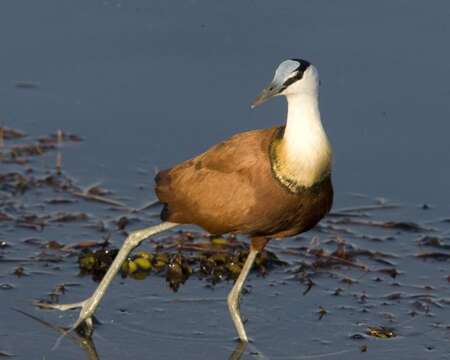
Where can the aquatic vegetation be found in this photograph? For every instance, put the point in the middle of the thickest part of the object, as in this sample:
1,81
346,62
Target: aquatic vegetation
359,260
207,259
381,332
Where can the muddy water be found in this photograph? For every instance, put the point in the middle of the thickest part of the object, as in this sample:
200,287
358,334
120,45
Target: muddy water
148,85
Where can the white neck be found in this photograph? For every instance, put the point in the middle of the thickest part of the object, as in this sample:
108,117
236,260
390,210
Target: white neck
306,146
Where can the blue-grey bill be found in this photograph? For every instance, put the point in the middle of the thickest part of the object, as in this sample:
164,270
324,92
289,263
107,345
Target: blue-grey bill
265,95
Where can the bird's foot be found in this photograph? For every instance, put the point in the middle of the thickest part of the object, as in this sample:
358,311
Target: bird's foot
85,324
61,307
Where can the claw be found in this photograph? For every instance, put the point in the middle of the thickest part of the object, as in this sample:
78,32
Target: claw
84,325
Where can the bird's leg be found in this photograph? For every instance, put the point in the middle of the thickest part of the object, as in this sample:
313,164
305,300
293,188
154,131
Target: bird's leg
89,305
233,296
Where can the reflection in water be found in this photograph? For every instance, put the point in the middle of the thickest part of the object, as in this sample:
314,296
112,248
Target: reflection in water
240,348
238,351
86,344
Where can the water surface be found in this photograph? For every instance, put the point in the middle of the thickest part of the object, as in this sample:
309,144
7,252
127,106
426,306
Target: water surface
149,84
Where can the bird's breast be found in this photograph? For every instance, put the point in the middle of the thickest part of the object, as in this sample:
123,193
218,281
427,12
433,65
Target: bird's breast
300,169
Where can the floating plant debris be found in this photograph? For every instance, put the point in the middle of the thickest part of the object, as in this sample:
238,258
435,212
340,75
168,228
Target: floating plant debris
69,217
344,254
59,290
392,272
322,312
399,225
52,244
98,198
96,263
434,241
20,271
207,260
439,256
381,332
19,153
59,136
11,134
32,221
178,271
356,260
59,201
49,257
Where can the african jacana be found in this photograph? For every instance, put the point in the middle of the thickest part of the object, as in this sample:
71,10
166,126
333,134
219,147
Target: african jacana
267,184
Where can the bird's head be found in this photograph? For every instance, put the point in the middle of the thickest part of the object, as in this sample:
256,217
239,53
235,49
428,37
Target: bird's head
292,77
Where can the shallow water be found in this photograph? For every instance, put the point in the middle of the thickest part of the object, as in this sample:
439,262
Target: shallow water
150,84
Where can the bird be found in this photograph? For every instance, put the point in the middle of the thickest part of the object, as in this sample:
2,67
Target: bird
267,184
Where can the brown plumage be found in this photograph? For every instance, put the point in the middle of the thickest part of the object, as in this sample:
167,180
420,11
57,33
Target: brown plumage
232,187
269,183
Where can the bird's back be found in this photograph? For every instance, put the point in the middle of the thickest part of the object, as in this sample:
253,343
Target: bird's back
231,188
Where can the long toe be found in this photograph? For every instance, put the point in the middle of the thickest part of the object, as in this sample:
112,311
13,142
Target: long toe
60,307
84,325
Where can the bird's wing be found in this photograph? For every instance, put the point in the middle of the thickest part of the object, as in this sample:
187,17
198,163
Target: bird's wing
211,187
